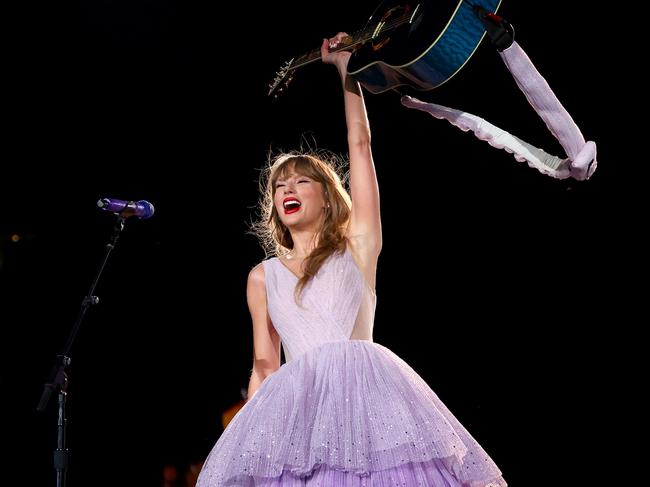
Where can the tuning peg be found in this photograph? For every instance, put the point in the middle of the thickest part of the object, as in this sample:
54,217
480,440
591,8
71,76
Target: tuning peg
282,78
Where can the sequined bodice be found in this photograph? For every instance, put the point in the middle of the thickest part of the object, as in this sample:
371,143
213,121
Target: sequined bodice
337,304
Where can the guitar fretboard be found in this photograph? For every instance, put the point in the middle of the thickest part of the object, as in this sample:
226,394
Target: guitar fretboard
356,39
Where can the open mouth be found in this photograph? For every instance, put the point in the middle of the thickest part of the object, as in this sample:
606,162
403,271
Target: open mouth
291,205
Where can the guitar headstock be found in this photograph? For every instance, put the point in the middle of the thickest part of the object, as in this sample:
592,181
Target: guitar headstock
282,79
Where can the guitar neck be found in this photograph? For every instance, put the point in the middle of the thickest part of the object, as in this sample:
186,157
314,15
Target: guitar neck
387,24
356,39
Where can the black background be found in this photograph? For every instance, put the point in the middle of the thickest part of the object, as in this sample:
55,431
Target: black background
491,277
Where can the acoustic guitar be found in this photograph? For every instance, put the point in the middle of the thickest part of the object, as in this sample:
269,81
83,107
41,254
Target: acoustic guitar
421,44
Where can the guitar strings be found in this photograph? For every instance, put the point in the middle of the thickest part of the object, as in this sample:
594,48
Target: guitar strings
360,34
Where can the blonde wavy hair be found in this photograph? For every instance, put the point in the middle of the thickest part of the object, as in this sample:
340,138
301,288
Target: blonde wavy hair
275,237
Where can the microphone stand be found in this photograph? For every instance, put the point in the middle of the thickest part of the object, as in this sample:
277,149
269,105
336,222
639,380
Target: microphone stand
58,380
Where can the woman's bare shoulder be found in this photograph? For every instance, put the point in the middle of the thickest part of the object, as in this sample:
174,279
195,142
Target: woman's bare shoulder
256,275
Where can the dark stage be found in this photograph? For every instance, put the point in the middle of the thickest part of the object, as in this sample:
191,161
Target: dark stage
490,279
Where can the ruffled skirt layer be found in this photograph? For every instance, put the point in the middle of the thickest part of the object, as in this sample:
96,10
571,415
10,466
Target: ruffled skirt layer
347,413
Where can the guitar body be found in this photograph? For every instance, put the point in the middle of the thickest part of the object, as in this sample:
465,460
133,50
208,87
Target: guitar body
425,51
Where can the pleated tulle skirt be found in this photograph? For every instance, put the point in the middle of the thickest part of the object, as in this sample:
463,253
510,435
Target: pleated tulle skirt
347,413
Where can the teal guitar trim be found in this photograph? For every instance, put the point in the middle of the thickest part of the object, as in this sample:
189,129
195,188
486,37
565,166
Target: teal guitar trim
445,57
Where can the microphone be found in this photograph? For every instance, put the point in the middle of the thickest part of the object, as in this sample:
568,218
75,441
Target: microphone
141,209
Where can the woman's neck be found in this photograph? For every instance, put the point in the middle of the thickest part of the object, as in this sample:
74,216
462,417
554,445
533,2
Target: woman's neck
303,244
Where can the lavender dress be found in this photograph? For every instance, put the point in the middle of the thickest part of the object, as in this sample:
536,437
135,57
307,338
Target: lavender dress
343,410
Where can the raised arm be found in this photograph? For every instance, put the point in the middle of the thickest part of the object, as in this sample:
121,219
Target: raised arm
266,341
365,224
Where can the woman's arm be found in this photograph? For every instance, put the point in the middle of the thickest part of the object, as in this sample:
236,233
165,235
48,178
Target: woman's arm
365,224
266,341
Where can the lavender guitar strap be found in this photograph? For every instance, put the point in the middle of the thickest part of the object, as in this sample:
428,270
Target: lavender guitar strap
580,162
